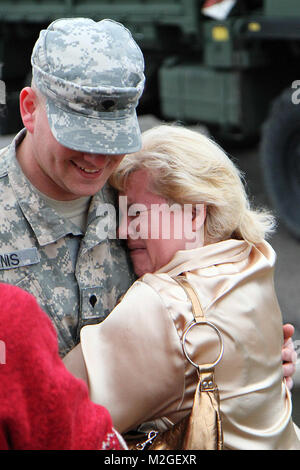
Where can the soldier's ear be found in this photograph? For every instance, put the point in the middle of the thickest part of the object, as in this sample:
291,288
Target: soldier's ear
28,105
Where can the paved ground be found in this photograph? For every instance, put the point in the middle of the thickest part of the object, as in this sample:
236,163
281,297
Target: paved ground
287,275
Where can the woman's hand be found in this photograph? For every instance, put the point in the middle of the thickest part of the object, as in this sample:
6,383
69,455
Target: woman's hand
289,355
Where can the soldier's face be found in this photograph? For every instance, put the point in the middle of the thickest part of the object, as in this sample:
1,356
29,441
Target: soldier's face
63,173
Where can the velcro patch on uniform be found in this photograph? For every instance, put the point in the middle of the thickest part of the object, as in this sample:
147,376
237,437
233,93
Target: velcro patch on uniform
19,258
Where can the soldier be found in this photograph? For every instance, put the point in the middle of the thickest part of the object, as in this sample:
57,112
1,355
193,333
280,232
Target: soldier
80,119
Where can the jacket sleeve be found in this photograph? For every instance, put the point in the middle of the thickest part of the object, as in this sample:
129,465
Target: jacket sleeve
43,406
134,359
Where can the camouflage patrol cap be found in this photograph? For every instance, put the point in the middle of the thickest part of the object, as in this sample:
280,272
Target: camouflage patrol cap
91,74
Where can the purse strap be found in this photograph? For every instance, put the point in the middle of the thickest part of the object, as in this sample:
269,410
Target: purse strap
199,319
205,429
191,293
202,429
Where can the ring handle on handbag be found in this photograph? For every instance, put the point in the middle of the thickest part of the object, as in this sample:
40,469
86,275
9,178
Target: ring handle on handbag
198,366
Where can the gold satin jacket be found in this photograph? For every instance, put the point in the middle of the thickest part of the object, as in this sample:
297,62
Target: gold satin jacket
136,366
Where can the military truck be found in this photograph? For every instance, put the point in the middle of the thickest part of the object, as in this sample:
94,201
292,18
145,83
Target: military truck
238,75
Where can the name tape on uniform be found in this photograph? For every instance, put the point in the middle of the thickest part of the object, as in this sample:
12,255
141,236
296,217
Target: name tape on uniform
19,258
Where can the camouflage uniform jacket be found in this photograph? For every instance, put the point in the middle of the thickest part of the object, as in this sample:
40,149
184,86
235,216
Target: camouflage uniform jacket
34,254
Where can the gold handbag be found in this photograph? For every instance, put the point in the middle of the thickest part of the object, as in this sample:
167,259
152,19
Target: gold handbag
202,428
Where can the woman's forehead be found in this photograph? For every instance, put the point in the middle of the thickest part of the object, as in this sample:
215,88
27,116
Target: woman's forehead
138,190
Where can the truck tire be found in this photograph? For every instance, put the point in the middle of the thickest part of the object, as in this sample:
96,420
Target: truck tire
280,160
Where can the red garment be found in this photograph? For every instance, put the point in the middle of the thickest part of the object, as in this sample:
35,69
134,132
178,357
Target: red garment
42,406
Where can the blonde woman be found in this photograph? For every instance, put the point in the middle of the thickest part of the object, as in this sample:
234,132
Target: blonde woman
188,214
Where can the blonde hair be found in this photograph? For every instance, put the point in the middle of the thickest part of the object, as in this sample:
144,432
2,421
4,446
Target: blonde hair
187,167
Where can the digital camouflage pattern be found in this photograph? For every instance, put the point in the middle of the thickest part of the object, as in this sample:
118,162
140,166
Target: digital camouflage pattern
92,75
34,255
